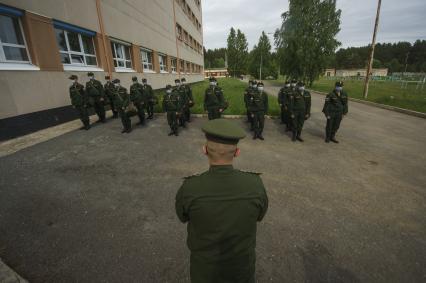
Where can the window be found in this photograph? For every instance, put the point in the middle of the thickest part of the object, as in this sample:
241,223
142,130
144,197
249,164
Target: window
121,55
75,48
147,60
173,62
12,42
185,36
188,67
179,31
182,66
162,59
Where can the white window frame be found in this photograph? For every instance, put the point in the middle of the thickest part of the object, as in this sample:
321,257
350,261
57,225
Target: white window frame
162,61
82,53
173,67
188,69
147,65
121,45
3,59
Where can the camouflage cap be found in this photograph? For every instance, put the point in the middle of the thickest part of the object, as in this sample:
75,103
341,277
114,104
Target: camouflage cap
259,84
223,131
107,77
300,84
168,86
116,81
183,80
177,81
293,81
144,80
212,79
339,83
90,74
134,79
73,77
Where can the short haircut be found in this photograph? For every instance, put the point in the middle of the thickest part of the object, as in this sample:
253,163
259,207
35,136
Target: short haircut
220,151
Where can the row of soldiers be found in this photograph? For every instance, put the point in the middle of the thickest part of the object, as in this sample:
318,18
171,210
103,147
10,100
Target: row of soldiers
123,104
295,103
256,102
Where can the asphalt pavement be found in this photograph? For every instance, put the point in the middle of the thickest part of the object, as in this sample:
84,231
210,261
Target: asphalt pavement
98,206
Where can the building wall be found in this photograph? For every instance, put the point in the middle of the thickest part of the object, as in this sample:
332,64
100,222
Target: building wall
142,23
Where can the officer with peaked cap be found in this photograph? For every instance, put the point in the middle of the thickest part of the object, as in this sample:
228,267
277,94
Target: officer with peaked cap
79,101
335,107
221,208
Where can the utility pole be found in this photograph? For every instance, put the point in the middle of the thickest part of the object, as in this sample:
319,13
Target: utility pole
261,62
406,63
373,45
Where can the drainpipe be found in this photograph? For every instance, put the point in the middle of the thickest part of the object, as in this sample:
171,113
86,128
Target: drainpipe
102,29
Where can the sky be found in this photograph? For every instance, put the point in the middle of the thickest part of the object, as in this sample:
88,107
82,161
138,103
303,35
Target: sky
399,20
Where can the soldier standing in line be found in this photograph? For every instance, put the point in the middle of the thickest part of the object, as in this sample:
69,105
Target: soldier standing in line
221,208
108,87
183,100
149,94
299,109
190,98
258,106
95,90
214,101
335,108
247,95
136,96
122,101
79,101
282,101
172,106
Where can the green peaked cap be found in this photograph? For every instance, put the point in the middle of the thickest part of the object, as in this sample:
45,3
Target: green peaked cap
223,131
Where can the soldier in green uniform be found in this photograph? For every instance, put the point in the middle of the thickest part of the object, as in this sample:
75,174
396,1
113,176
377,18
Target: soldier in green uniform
96,93
258,107
214,101
122,101
190,98
283,102
136,96
247,95
151,99
183,100
221,208
173,107
80,102
335,107
108,87
299,109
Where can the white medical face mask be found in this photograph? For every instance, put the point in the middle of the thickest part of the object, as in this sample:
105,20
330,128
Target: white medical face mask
260,88
177,84
212,83
287,85
302,88
91,78
116,84
339,88
75,81
169,91
293,85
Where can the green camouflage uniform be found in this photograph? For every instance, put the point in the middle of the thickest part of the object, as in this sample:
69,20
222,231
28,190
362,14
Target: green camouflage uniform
108,87
122,101
190,97
172,106
300,109
184,102
79,101
213,102
138,99
151,100
96,94
248,93
335,106
222,207
258,107
283,102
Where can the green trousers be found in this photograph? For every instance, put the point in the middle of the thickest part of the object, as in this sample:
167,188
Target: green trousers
258,122
98,105
83,114
141,112
298,120
214,113
125,119
172,120
333,124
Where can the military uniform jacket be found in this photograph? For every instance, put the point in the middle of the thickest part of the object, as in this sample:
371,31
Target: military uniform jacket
188,92
222,207
183,97
335,103
300,102
258,102
213,98
171,102
94,88
108,88
283,95
136,94
78,95
149,94
121,97
247,95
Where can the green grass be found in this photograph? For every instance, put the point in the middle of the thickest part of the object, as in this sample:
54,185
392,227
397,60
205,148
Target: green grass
233,90
383,92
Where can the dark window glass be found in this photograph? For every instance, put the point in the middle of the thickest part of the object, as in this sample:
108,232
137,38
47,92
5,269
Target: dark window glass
15,53
127,50
73,41
10,31
91,60
60,38
88,45
65,58
77,59
128,64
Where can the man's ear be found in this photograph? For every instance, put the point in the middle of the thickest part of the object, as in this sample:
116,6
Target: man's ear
237,152
205,151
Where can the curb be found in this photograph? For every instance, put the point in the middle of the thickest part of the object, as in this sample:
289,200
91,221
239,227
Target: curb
7,275
383,106
231,116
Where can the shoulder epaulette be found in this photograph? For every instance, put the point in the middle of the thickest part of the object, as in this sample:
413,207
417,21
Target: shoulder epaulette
192,176
250,172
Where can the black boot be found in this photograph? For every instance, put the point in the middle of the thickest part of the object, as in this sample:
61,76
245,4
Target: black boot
114,115
333,139
123,130
327,139
261,137
298,136
255,136
171,133
293,138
